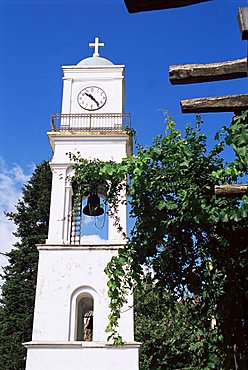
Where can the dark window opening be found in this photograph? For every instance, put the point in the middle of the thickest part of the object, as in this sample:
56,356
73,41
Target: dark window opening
85,315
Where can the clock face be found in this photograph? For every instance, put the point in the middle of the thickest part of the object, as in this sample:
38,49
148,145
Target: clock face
92,98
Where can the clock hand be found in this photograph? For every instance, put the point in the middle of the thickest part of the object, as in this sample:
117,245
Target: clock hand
92,98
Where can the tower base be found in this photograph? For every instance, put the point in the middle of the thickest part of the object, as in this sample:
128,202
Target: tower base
81,355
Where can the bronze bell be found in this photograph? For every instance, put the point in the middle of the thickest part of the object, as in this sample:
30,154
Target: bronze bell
93,207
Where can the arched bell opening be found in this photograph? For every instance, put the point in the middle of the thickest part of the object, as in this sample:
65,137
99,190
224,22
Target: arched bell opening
89,220
93,208
84,317
94,218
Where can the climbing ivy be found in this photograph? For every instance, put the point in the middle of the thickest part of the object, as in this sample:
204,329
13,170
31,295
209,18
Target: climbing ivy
193,242
236,136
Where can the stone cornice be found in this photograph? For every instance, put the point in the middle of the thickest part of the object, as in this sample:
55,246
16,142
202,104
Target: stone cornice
92,68
78,247
84,345
101,136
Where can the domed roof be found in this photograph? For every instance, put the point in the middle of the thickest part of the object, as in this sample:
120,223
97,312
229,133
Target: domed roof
94,61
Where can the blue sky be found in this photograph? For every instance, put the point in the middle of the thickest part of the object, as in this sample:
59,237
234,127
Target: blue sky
37,37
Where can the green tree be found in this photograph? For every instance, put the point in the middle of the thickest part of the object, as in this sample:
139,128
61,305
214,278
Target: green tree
193,241
18,290
171,331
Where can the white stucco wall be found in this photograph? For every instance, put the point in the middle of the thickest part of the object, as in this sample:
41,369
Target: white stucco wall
75,357
104,147
109,78
64,273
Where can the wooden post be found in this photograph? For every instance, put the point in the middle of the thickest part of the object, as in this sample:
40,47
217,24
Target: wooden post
195,73
231,191
135,6
243,22
231,103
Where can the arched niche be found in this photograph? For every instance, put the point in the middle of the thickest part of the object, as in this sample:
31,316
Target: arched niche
84,314
84,317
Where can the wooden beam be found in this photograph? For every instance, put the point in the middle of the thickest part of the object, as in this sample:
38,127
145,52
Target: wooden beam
243,22
134,6
194,73
231,103
231,191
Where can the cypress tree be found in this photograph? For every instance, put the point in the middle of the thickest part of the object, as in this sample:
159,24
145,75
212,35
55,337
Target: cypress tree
18,290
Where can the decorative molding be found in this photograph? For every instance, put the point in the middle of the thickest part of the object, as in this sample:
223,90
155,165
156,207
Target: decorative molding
78,247
84,345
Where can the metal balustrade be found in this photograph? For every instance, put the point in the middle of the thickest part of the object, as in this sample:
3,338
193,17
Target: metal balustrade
109,122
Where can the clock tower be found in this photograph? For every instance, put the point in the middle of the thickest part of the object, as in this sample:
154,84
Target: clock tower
72,304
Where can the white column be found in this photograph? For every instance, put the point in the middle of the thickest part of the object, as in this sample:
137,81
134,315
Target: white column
67,212
66,101
57,207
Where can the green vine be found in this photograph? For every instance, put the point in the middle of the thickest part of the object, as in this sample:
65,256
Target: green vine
111,181
236,136
182,232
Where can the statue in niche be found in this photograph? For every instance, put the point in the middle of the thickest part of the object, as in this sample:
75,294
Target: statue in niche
88,326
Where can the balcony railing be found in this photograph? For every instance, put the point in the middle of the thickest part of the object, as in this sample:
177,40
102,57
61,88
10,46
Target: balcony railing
109,122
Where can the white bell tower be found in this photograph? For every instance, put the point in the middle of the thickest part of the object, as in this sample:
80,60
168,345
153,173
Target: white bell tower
71,305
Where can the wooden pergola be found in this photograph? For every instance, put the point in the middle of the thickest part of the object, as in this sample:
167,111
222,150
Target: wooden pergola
135,6
198,73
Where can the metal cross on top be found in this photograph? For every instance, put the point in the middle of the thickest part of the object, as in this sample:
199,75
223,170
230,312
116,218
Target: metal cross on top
96,45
